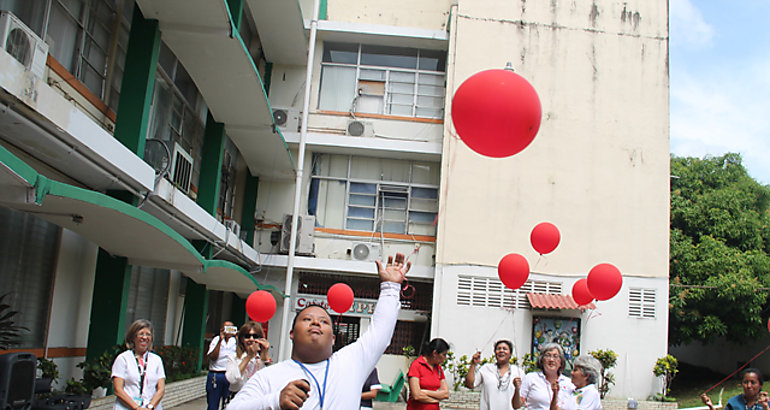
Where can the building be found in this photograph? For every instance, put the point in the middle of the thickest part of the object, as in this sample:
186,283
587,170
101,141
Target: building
150,157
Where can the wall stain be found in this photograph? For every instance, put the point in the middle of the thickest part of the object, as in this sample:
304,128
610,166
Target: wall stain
632,17
594,14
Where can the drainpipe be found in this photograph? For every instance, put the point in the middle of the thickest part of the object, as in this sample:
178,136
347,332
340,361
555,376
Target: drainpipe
283,351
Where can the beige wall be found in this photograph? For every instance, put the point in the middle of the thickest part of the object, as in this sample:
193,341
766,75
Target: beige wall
427,14
599,167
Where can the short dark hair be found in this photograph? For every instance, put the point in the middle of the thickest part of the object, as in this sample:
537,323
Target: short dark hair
438,345
752,370
309,305
506,341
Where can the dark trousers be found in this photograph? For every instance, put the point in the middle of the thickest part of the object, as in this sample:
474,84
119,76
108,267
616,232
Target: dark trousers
217,390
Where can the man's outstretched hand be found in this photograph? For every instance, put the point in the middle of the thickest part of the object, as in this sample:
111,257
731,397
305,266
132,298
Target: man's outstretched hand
395,270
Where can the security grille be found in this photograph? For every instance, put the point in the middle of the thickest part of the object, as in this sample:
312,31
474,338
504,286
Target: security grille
490,292
641,303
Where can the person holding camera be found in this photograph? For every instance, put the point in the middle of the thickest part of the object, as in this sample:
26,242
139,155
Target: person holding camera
250,356
220,348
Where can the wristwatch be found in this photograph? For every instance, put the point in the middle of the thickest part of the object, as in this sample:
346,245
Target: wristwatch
150,406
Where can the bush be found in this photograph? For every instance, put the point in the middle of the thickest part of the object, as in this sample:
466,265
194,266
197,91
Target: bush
48,368
608,359
97,372
666,367
179,362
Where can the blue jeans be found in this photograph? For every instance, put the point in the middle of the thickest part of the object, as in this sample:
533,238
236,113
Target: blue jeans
217,390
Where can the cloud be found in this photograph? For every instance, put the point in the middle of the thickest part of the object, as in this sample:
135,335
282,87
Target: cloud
687,27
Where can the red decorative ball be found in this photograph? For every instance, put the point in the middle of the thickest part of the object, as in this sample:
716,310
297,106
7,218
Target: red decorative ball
340,297
580,293
513,270
496,113
260,306
545,237
604,281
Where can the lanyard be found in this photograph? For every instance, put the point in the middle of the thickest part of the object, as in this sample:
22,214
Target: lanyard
141,366
321,393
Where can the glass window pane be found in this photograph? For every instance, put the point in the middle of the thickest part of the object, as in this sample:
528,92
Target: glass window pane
364,200
331,204
429,112
394,203
402,110
360,225
424,205
402,88
430,102
432,60
402,99
62,36
430,90
340,53
365,168
402,77
166,59
330,165
359,212
393,227
370,74
424,193
388,56
422,217
425,173
363,188
92,79
422,229
338,88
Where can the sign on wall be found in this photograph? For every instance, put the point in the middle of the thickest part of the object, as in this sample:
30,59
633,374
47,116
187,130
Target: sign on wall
564,331
360,308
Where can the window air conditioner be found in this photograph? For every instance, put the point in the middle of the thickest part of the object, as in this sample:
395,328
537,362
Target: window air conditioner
22,43
233,226
365,251
305,233
181,168
287,119
358,128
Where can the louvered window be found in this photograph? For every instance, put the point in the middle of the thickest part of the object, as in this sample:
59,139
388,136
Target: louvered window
641,303
490,292
148,299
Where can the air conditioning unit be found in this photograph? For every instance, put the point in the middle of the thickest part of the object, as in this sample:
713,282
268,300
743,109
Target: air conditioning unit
305,234
22,43
358,128
287,119
181,168
233,226
365,251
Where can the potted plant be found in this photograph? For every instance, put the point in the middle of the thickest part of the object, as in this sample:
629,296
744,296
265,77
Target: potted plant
49,373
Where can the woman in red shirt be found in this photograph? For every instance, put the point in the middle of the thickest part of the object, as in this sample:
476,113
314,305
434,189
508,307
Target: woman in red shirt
427,385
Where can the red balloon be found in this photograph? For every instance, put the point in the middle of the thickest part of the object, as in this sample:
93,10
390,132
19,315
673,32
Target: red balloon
340,297
604,281
580,293
545,237
513,270
260,306
496,113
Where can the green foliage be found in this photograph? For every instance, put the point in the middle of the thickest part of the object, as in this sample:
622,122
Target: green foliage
97,372
409,351
76,387
528,363
9,330
608,358
720,235
666,367
457,367
48,368
179,362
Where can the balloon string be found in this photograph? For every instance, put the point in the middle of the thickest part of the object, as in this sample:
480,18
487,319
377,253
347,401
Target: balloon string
737,370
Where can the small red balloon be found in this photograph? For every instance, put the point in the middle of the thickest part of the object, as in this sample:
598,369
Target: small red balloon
580,293
545,237
768,325
604,281
340,297
260,306
496,113
513,270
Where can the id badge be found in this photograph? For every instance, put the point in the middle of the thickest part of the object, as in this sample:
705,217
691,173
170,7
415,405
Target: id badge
138,401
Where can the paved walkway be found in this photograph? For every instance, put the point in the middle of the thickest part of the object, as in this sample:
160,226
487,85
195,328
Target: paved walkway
200,404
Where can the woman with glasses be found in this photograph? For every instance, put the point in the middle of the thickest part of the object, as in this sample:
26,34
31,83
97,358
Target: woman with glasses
539,390
586,371
138,377
250,355
495,379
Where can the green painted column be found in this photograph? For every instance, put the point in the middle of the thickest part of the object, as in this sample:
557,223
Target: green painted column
108,304
138,83
211,165
196,306
238,311
249,207
322,10
268,77
236,12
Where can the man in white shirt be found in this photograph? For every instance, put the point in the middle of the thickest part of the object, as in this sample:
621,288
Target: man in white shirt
221,347
314,378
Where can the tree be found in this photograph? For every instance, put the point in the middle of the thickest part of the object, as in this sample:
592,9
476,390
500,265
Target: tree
719,265
666,367
608,358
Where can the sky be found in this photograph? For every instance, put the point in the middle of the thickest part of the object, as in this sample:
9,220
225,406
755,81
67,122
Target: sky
720,80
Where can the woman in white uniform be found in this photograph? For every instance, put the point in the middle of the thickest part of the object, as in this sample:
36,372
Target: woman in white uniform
137,374
537,389
495,379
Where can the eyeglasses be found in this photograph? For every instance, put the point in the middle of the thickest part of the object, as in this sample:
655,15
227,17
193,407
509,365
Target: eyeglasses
144,334
552,356
251,336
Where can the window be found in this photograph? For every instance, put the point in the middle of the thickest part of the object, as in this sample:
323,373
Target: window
346,331
382,80
407,334
374,195
148,298
641,303
227,180
484,291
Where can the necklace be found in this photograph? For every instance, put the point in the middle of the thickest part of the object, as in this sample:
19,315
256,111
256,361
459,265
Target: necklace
503,381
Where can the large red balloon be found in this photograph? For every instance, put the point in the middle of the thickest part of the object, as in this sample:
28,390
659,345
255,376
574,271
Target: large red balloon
260,306
340,297
580,293
604,281
513,270
545,237
496,113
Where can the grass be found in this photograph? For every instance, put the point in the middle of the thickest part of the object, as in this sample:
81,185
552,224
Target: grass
692,381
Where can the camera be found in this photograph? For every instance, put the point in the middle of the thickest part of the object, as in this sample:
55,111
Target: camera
231,330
